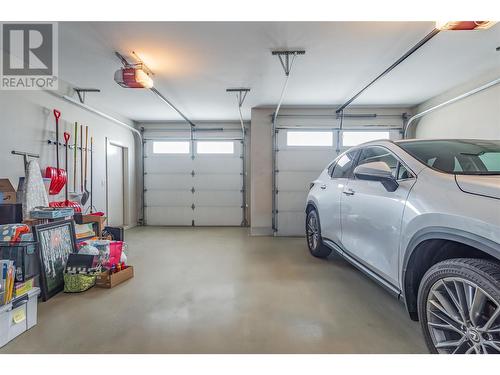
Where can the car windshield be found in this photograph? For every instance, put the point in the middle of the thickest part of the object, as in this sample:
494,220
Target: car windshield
470,157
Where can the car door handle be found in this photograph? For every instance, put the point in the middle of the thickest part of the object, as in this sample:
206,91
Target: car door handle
349,192
323,187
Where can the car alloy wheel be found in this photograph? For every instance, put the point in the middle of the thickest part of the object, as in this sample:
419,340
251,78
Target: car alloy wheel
462,318
313,236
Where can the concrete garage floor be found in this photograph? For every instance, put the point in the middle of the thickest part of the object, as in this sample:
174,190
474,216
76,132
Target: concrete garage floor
217,290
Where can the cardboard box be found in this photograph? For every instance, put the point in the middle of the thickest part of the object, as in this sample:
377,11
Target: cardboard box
7,191
89,218
106,280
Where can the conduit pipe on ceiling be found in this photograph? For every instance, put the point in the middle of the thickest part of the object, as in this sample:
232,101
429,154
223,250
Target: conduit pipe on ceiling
450,101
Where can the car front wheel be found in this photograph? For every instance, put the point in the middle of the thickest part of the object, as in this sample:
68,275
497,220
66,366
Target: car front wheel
459,307
313,236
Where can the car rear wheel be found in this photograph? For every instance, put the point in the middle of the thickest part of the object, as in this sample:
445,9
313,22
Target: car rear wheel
313,236
459,307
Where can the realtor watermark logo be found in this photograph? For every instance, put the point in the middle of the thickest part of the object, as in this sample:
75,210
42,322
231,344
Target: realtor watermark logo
29,56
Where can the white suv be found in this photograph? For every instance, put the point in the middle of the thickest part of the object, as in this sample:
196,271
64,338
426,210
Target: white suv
421,217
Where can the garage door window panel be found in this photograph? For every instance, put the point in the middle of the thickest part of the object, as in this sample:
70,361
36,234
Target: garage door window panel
215,147
309,139
171,147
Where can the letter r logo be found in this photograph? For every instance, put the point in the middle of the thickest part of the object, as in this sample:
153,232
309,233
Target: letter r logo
28,49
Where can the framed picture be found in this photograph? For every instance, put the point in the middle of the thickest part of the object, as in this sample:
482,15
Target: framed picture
55,242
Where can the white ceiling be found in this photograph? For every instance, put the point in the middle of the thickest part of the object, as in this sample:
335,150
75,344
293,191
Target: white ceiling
194,63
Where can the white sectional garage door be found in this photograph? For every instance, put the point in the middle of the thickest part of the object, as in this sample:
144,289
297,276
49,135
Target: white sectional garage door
193,183
302,153
296,166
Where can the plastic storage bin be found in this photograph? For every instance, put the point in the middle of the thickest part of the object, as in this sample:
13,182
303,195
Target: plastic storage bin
18,316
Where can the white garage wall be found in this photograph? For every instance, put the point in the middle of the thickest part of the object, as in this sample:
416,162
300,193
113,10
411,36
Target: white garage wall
261,149
27,122
477,116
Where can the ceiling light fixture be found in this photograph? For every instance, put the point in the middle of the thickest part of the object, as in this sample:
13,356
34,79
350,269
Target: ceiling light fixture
464,25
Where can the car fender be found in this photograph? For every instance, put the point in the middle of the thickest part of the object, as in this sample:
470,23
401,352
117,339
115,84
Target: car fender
444,233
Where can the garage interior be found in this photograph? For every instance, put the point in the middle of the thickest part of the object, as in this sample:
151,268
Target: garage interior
208,173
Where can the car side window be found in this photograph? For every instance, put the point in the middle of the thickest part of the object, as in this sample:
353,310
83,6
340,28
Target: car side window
330,169
403,173
374,154
343,166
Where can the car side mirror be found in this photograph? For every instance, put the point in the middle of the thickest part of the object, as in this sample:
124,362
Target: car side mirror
377,171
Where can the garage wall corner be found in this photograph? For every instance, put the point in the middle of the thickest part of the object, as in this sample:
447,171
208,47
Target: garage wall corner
477,116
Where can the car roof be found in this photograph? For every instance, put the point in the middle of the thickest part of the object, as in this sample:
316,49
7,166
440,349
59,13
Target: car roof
417,140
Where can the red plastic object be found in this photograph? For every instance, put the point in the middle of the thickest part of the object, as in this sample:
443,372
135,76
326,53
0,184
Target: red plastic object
58,176
74,205
115,253
67,203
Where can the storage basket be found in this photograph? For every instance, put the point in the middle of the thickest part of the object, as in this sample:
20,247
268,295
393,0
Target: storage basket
80,273
76,283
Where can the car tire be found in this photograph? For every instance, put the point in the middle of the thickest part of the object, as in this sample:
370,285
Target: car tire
459,307
313,236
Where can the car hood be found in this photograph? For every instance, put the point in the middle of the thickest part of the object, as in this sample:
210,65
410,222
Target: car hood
488,186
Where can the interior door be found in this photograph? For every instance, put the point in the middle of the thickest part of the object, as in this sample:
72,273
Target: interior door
371,216
115,185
